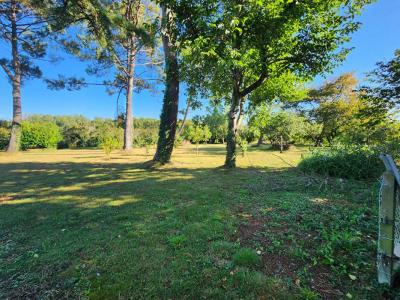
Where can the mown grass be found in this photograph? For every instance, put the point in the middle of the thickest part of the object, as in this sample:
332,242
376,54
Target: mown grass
74,224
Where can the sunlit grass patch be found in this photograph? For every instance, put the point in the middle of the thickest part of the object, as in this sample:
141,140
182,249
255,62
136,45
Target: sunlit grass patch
73,224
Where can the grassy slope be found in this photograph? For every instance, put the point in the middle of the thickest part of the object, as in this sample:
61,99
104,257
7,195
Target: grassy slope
75,223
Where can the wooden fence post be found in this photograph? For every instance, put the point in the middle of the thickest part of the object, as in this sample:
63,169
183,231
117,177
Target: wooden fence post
386,234
388,263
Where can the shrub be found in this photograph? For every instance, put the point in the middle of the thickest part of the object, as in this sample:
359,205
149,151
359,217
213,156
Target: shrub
344,162
39,135
109,144
4,137
78,136
178,141
145,138
197,134
110,139
244,145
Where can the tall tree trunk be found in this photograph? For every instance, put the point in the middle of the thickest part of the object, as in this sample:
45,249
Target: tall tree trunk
230,160
240,117
128,132
14,142
169,113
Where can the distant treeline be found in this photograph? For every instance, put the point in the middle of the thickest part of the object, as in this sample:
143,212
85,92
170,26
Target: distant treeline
47,131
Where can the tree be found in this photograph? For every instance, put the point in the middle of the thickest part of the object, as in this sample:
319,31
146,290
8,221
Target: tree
282,129
24,28
383,93
259,118
333,105
169,113
217,122
132,24
285,90
240,44
199,133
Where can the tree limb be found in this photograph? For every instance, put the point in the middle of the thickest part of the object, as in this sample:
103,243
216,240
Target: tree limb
7,70
254,85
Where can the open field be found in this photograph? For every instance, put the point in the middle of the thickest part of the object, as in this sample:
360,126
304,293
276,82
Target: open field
76,224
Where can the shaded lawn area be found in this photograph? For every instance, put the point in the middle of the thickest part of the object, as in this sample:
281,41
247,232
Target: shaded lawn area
75,224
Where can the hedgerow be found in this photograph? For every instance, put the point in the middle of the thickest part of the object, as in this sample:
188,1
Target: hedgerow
344,162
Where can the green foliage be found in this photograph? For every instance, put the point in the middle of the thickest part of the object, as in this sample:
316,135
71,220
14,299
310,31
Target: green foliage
331,108
79,136
280,126
178,141
240,48
217,122
344,162
243,144
111,139
198,133
145,138
32,23
109,144
39,135
284,128
177,241
308,294
4,137
383,93
81,132
246,257
303,38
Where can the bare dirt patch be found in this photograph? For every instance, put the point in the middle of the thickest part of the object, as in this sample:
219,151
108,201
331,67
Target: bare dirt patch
280,264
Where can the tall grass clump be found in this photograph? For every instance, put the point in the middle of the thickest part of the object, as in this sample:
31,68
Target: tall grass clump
344,162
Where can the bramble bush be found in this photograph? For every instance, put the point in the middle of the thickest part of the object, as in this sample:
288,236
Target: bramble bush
39,135
355,162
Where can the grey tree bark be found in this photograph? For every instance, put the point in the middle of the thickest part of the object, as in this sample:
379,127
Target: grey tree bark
14,142
230,160
128,132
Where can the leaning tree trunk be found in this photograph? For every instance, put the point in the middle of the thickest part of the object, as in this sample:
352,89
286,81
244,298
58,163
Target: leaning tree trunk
14,142
128,132
184,119
230,160
169,113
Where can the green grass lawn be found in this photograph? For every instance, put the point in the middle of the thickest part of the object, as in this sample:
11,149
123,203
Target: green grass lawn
75,224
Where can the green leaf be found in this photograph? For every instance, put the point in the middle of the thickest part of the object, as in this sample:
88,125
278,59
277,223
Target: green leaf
352,277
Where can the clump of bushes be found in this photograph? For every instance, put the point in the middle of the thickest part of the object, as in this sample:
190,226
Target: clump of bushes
145,138
243,144
39,135
111,138
4,137
344,162
198,134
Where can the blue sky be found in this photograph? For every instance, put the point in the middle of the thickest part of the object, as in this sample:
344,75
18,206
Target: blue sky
376,40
